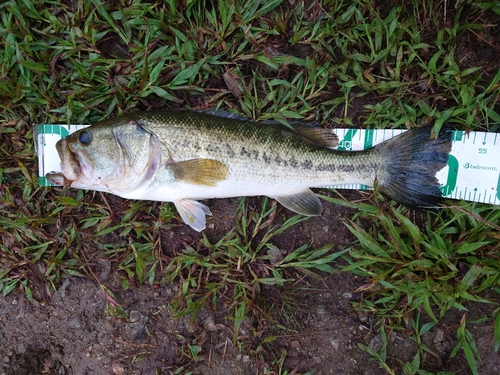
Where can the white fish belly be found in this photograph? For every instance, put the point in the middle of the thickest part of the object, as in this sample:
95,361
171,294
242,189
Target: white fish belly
238,184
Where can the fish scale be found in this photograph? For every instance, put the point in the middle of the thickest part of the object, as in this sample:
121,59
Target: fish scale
183,157
243,145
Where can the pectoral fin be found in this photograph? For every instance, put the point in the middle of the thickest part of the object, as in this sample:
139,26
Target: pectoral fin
193,213
200,171
304,203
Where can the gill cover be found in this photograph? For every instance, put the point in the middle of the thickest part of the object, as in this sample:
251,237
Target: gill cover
140,154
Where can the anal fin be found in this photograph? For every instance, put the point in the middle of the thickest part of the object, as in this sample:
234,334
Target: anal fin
304,203
193,213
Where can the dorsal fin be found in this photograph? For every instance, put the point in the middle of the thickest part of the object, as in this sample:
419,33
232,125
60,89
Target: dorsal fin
310,132
316,135
224,113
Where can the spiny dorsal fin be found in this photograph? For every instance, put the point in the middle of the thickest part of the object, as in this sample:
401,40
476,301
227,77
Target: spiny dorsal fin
224,114
200,171
316,135
304,203
309,131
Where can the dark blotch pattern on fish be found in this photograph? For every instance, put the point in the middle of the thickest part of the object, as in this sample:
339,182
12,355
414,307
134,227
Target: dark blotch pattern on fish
244,152
346,168
229,151
326,167
212,148
307,164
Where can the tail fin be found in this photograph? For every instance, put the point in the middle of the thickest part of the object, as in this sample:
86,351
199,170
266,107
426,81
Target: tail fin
412,160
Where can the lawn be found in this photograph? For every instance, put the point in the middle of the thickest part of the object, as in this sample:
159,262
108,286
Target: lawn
260,276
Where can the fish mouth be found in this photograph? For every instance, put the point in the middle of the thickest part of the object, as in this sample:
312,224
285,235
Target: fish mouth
57,179
70,163
73,164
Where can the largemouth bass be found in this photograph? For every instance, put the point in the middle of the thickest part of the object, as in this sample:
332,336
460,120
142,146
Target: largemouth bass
183,157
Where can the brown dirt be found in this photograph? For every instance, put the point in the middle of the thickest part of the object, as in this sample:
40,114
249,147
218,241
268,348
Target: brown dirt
71,334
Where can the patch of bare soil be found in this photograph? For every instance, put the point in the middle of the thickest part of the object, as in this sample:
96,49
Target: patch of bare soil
71,334
318,330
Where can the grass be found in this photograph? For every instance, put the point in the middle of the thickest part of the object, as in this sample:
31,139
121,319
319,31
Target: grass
236,268
340,63
428,271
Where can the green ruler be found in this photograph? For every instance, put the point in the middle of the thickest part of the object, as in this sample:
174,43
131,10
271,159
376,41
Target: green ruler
473,170
472,174
46,137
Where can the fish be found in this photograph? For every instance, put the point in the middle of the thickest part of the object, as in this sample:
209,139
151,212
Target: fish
187,156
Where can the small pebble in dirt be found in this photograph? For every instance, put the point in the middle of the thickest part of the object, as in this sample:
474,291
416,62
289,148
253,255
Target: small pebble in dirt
6,359
134,316
118,369
335,344
320,310
393,336
209,324
274,255
362,316
376,343
317,359
440,341
104,270
141,335
74,323
295,344
347,295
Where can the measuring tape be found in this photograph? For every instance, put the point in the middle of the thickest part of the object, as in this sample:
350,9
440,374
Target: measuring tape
473,170
472,173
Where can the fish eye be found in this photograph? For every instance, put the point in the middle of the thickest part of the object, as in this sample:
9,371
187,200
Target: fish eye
84,137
